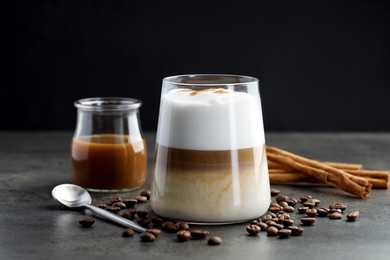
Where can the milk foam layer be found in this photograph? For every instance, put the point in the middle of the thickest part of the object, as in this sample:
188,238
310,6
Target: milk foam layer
212,119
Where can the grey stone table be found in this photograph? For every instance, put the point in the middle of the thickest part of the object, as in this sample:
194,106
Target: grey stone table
34,226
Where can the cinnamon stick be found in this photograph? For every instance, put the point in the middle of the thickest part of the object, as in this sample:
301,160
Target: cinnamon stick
378,179
345,166
321,172
370,174
338,165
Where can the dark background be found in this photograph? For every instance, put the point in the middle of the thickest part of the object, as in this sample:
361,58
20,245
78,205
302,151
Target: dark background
322,65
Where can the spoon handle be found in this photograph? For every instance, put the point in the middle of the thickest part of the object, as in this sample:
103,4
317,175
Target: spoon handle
115,218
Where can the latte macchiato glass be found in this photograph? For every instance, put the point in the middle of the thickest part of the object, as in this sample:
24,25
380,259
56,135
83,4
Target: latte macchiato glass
210,163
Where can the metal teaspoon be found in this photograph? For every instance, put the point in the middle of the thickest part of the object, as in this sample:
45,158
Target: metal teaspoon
74,196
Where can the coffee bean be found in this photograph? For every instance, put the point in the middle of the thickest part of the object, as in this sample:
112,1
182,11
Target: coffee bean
284,233
275,209
255,222
141,199
142,213
214,241
253,230
270,222
308,221
145,193
288,209
335,215
272,231
304,198
274,224
295,231
154,231
323,212
183,225
333,210
157,221
291,202
353,216
282,215
147,237
115,199
129,214
272,214
101,205
130,202
302,210
316,201
143,222
128,232
280,198
309,203
311,213
170,227
263,226
133,212
266,217
287,222
283,204
338,205
119,204
87,222
112,209
199,234
183,235
274,192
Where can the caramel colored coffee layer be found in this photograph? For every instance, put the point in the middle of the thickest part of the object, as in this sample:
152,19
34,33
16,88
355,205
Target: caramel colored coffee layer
182,158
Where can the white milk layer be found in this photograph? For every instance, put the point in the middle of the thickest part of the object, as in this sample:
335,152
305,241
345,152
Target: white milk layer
212,119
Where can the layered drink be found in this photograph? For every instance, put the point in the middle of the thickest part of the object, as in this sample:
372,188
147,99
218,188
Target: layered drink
210,163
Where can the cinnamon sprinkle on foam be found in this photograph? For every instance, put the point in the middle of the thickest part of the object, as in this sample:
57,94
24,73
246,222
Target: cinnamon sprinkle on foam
221,91
196,92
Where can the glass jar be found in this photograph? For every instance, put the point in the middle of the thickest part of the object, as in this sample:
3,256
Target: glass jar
108,150
210,163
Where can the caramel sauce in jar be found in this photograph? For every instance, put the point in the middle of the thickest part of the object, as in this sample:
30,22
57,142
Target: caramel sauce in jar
110,162
108,150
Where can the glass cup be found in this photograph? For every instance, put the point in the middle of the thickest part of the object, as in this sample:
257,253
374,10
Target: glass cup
210,164
108,151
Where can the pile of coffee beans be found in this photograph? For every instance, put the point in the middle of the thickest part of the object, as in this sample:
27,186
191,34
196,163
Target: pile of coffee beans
278,221
125,207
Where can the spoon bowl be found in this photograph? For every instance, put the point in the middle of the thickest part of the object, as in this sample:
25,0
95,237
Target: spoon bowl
74,196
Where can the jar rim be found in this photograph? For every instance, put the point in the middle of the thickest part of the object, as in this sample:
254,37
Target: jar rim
108,104
213,80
